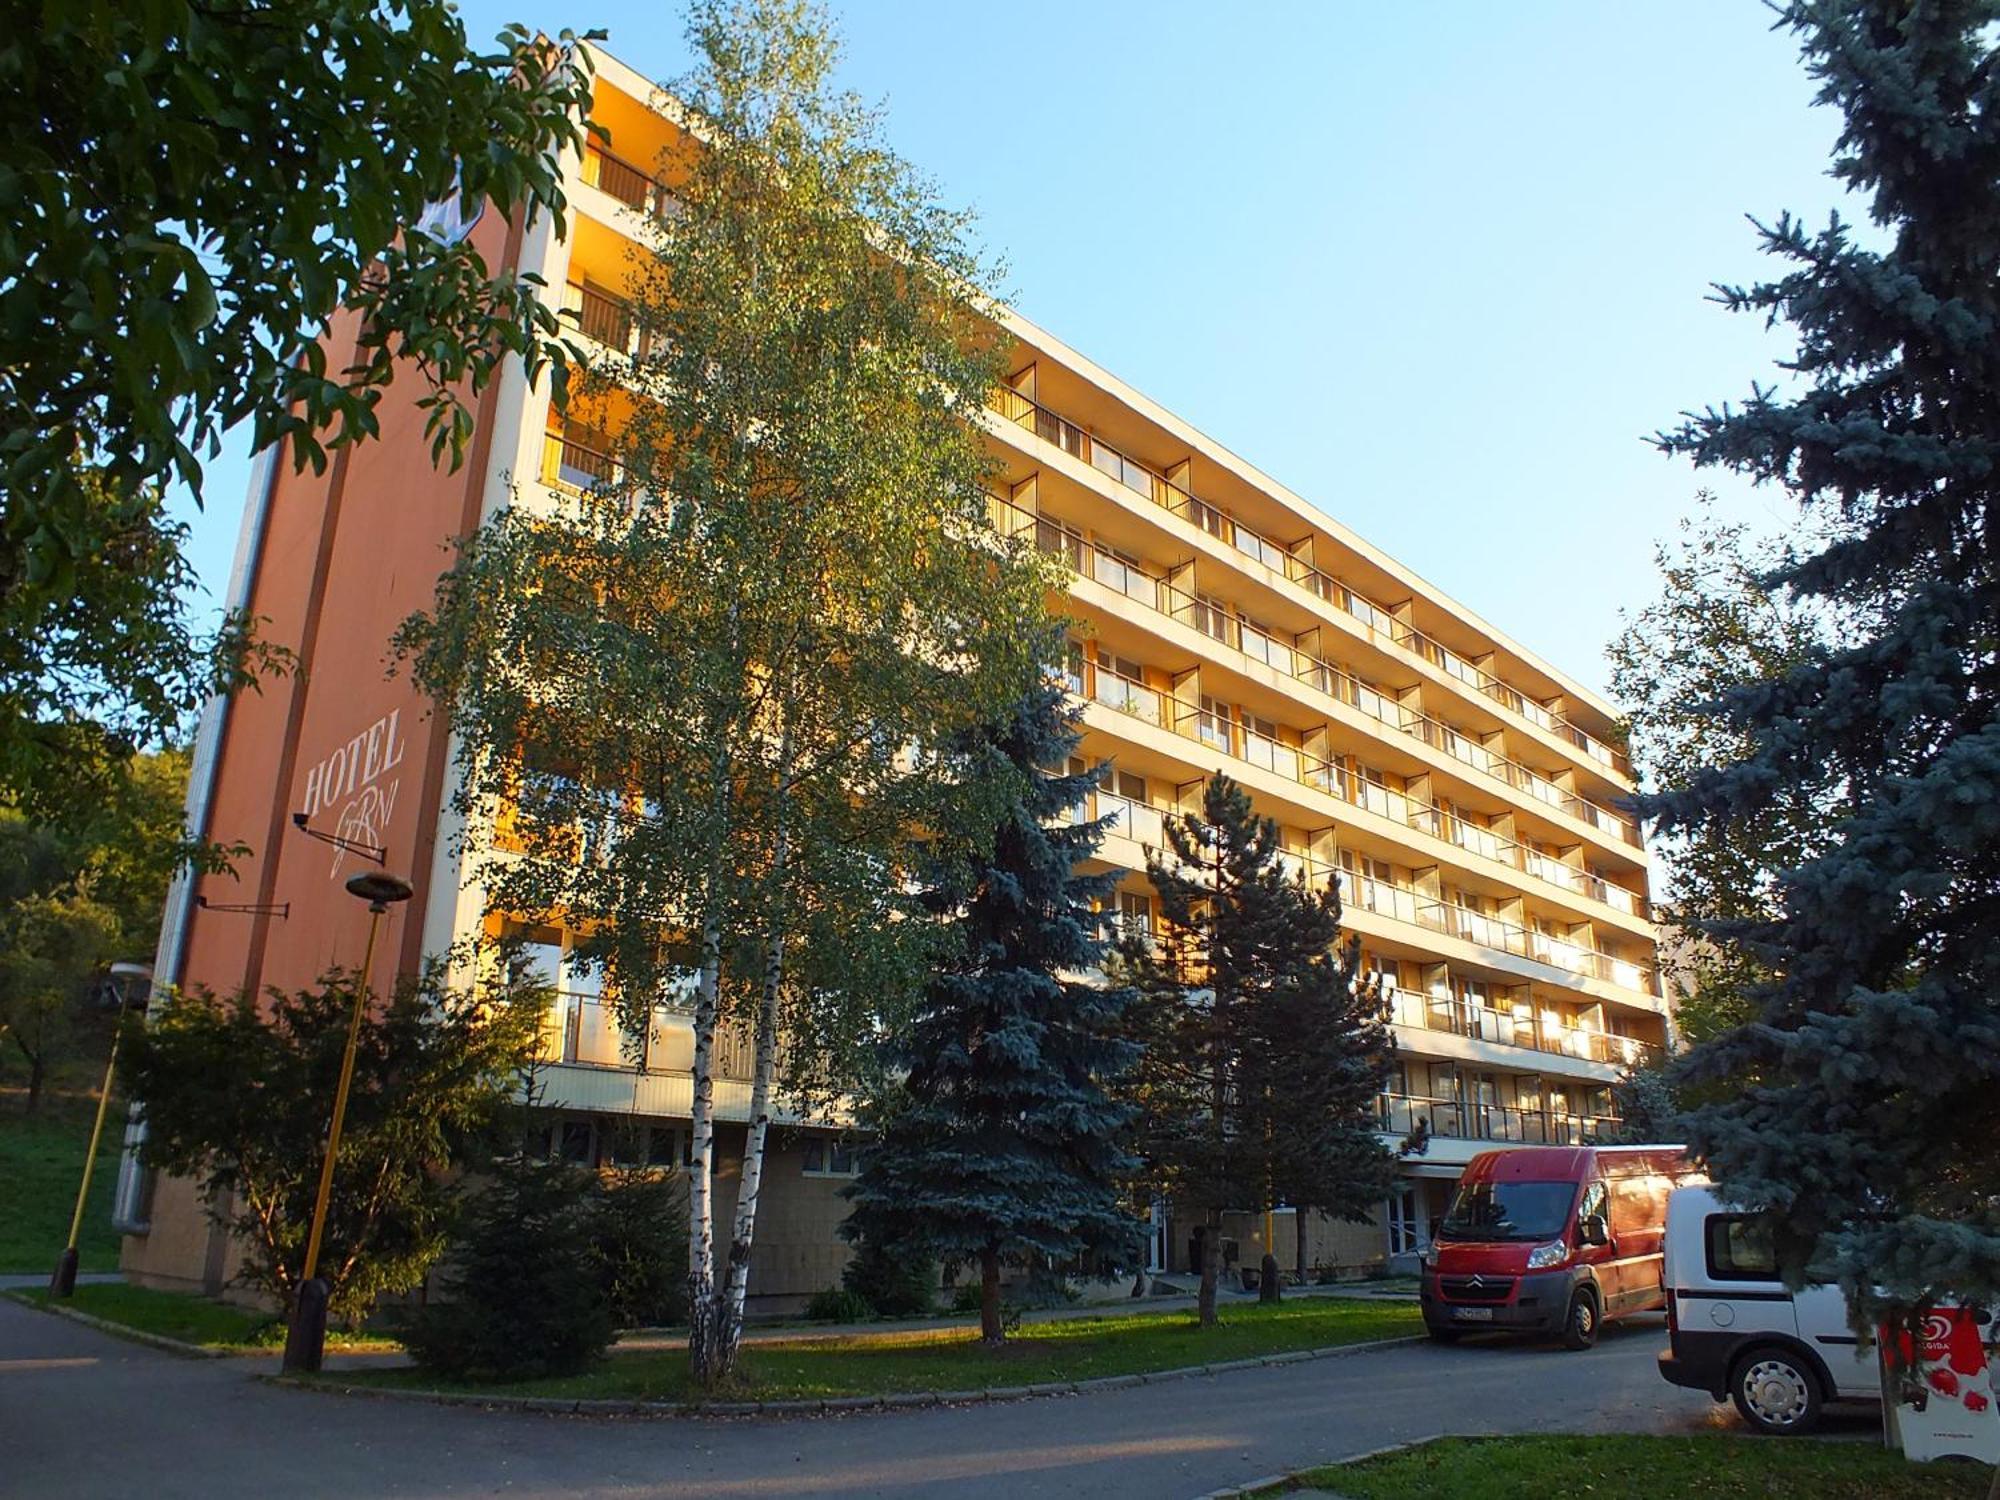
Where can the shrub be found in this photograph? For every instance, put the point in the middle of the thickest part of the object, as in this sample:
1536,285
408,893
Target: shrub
894,1280
642,1247
526,1295
836,1304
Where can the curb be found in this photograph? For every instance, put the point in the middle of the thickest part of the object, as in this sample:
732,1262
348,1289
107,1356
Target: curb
831,1405
1283,1484
122,1330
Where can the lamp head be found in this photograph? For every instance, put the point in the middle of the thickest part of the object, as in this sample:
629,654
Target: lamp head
379,888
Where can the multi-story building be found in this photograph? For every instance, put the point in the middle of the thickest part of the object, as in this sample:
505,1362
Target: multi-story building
1463,792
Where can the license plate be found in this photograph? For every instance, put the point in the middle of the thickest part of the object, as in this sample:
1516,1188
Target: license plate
1473,1314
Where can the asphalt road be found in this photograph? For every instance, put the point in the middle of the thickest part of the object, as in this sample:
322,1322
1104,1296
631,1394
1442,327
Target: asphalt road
85,1414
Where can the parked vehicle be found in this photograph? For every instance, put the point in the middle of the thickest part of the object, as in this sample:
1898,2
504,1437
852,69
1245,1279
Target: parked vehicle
1735,1331
1552,1240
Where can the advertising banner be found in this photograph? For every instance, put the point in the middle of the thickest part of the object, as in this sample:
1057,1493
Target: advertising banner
1947,1388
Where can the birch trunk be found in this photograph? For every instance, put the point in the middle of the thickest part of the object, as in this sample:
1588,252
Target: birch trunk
736,1272
702,1332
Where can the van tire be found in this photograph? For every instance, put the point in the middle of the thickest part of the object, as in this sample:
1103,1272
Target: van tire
1776,1391
1580,1322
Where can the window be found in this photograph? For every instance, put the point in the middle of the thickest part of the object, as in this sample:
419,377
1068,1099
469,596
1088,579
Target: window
667,1147
574,1143
1135,914
1406,1236
827,1156
625,1143
1739,1248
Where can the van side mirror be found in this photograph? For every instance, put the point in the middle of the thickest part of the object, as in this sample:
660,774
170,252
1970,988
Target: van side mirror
1593,1230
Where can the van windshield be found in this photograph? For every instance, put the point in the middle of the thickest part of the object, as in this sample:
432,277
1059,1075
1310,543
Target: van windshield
1509,1211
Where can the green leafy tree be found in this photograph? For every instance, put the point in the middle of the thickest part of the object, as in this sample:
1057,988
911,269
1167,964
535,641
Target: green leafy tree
238,1095
193,193
1719,623
641,1242
710,691
1004,1141
77,893
1246,991
1865,1117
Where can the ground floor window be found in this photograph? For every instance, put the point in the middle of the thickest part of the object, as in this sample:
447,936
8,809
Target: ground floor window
826,1156
1156,1237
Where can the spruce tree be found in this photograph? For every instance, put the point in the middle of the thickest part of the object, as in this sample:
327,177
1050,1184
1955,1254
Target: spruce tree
1260,1064
1002,1142
1866,1112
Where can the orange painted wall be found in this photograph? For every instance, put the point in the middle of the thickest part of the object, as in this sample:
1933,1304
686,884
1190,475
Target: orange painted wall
348,556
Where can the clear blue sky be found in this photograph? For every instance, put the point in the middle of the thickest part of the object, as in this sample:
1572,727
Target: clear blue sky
1440,268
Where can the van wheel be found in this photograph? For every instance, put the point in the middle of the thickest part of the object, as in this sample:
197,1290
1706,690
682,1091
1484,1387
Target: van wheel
1777,1392
1580,1327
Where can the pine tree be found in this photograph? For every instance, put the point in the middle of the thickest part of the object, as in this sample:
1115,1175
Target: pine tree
1320,1060
1868,1120
1260,1065
1003,1142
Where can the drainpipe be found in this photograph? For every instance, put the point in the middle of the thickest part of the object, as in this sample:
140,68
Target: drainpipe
170,957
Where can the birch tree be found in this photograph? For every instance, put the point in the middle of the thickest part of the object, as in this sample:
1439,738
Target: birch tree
708,694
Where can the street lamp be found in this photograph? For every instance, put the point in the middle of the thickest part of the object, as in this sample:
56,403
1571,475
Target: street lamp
305,1341
130,984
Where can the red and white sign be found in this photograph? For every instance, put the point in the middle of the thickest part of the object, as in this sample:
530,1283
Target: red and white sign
1947,1407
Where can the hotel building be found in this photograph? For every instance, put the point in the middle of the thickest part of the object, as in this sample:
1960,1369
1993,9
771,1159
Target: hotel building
1463,792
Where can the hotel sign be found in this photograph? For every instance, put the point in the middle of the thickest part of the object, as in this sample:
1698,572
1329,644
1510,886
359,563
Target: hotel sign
355,787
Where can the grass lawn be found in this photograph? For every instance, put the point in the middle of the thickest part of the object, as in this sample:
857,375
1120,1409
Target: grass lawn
951,1360
1659,1468
41,1161
191,1319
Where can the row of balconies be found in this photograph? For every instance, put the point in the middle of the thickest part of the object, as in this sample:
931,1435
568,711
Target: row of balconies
1408,904
1296,660
581,1030
1464,1016
608,320
1286,561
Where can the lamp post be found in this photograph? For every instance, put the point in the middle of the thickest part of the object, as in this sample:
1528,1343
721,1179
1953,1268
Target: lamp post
130,982
305,1340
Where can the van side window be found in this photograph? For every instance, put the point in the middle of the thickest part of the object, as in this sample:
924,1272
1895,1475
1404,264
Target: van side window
1593,1201
1739,1249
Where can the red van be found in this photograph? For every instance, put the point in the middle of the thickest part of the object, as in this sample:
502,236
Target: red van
1552,1240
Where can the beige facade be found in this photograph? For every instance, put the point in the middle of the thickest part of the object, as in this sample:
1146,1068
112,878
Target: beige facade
1463,792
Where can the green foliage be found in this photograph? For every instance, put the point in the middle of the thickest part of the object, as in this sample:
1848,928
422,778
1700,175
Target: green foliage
1001,1138
839,1304
526,1295
1263,1053
896,1280
640,1234
238,1096
77,893
192,194
1718,624
714,721
1649,1108
1862,1107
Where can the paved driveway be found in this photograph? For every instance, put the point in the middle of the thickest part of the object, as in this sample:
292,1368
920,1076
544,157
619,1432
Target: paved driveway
84,1414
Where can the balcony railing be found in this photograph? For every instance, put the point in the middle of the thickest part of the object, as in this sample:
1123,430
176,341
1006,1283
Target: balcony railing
577,465
1145,482
1218,623
582,1028
1462,1119
1463,1016
626,183
607,320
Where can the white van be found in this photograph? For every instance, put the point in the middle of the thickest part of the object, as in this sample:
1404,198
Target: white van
1737,1331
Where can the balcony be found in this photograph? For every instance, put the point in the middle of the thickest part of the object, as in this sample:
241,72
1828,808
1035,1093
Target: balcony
626,183
602,318
1461,1016
1461,1119
581,1029
1219,624
1144,482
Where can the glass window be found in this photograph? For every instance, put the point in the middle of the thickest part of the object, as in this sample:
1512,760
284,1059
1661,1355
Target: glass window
574,1144
1740,1249
665,1148
1509,1211
826,1156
